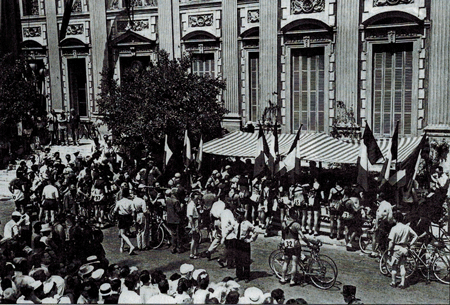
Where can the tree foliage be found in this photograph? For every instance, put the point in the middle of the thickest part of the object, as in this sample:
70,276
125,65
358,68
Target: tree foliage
19,97
164,98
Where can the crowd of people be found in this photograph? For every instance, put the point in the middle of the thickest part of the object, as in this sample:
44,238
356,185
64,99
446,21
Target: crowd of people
62,206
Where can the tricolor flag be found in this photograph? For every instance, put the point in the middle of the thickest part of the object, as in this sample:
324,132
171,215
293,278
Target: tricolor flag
393,153
66,18
291,160
369,152
262,157
274,151
167,152
187,150
200,153
406,170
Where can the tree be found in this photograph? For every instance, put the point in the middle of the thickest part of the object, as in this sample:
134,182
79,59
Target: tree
19,96
162,98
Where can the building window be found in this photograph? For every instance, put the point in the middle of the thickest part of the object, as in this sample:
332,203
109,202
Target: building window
30,7
203,64
308,89
254,87
392,88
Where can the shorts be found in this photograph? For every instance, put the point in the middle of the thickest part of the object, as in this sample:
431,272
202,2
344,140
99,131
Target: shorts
125,221
399,255
289,252
99,203
49,204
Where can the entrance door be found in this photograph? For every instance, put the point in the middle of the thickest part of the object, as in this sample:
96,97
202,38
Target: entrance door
77,85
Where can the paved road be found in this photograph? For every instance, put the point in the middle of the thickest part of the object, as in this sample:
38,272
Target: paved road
354,269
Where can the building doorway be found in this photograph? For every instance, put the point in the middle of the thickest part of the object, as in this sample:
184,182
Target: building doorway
77,85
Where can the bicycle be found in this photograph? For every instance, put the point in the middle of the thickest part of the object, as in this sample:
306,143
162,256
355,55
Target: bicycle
428,260
320,269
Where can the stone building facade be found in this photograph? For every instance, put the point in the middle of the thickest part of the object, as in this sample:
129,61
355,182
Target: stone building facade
324,63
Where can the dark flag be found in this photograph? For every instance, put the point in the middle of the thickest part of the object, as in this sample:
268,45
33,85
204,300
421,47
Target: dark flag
262,156
393,154
369,152
66,18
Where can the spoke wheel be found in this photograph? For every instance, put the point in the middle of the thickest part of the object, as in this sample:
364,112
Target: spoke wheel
426,258
441,268
157,237
323,273
385,265
365,243
276,261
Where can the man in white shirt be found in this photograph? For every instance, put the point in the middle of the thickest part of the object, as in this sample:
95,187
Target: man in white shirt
141,212
12,227
128,295
216,210
192,215
228,225
50,198
162,297
125,210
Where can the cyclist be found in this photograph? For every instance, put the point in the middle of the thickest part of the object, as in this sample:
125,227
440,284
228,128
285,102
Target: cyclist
291,235
401,238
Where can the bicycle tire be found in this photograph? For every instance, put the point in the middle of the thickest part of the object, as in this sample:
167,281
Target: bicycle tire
326,257
383,264
410,266
276,261
158,238
365,243
327,275
111,215
441,268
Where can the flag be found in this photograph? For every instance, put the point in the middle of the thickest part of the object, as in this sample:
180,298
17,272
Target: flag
290,161
262,157
406,170
274,151
393,153
187,150
200,153
369,153
167,152
66,18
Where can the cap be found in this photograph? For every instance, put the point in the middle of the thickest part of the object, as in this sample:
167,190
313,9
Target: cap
91,259
46,227
197,272
185,268
16,213
253,295
97,274
85,270
177,175
105,289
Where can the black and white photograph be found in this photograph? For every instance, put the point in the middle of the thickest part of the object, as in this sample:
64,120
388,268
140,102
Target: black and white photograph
224,151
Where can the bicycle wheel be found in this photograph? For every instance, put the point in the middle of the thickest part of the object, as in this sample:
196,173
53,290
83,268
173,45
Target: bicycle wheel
157,237
441,268
111,216
276,261
383,264
426,258
330,260
410,265
365,243
323,274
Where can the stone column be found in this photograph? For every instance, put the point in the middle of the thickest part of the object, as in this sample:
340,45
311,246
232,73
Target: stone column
439,65
347,52
54,58
99,41
268,51
166,31
230,56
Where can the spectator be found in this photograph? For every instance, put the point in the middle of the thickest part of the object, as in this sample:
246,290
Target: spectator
278,296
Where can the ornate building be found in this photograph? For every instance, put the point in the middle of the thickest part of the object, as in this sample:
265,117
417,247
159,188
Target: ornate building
325,63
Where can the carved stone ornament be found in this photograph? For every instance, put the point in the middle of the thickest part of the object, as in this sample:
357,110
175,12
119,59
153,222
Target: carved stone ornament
307,6
390,2
253,16
75,29
200,20
136,26
34,31
77,6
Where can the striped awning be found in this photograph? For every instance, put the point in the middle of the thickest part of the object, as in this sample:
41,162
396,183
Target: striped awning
318,147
